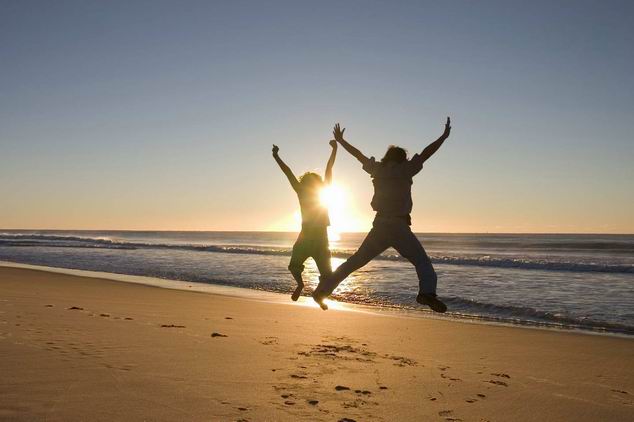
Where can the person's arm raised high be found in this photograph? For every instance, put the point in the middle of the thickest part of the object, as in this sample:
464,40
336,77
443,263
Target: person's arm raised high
338,133
286,169
433,147
331,162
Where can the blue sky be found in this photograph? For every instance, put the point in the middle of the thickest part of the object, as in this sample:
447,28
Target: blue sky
160,115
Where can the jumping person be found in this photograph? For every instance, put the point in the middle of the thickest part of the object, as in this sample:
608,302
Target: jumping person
313,239
392,201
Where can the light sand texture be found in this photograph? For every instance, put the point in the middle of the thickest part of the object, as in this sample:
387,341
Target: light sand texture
133,353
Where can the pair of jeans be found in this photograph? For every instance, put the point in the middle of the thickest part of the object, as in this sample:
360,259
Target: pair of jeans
386,232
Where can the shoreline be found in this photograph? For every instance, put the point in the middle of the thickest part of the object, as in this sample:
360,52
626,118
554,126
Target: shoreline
282,298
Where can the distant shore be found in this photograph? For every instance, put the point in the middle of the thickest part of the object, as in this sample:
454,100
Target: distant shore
79,348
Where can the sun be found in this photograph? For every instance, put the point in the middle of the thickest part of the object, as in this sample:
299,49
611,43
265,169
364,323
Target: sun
334,198
344,216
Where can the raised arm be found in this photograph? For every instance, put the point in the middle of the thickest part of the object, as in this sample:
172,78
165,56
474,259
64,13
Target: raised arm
286,169
433,147
331,162
338,133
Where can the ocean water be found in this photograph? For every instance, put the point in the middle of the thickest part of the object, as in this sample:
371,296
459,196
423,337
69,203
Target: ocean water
565,281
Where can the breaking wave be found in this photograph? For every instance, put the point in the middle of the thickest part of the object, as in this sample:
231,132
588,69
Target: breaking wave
61,241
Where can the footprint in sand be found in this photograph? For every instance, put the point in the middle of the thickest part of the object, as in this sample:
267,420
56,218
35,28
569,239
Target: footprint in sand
354,404
496,382
214,334
346,420
269,341
172,326
298,376
313,402
402,361
442,375
75,308
105,315
501,375
448,415
342,388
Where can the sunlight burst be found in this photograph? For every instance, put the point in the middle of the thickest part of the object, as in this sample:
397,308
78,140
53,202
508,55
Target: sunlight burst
334,198
343,216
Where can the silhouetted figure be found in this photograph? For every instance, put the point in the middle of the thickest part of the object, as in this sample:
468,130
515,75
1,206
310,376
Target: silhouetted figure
313,239
392,201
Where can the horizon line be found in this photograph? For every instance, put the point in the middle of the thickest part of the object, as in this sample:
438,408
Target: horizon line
344,232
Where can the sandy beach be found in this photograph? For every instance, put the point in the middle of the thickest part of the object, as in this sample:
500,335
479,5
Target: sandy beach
76,348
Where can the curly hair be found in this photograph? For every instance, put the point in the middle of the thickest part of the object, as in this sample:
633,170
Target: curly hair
310,180
394,154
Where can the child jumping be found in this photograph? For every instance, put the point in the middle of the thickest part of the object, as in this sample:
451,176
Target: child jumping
313,239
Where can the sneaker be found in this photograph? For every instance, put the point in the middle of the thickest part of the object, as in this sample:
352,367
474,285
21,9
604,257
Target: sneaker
320,301
297,293
432,301
318,295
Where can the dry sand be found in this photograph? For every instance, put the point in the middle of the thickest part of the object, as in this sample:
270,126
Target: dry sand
75,348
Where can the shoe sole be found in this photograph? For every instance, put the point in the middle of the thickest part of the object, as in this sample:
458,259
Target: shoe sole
434,304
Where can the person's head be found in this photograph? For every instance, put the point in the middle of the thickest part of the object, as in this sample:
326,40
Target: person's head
394,154
311,181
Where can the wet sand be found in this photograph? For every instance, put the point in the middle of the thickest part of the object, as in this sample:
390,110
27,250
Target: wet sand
76,348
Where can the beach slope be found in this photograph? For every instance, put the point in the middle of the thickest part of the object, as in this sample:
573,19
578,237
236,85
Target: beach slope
75,348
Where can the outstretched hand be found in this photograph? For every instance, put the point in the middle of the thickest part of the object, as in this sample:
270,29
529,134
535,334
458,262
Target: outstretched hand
276,149
338,133
447,128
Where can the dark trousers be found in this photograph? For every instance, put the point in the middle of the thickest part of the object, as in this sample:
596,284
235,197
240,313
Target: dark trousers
385,233
312,242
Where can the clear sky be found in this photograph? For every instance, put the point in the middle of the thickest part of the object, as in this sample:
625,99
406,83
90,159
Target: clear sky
161,114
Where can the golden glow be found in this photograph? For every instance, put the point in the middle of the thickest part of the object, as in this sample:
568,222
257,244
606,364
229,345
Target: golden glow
332,196
344,216
310,303
335,198
334,235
